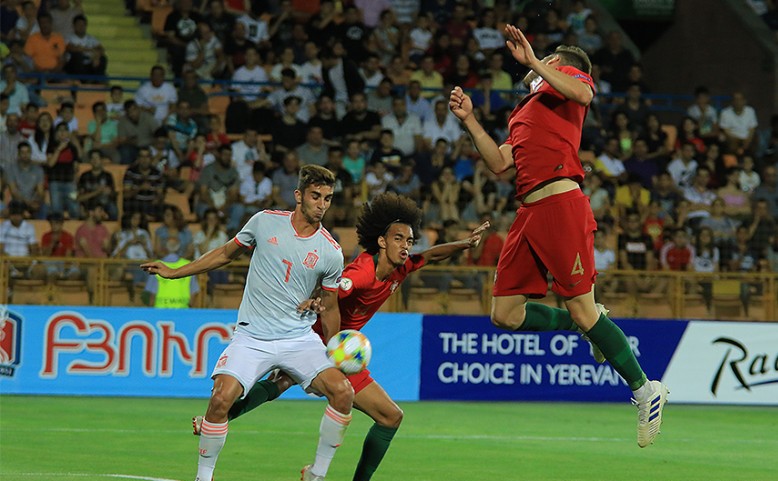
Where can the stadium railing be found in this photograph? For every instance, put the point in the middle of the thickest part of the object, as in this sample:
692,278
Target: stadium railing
434,290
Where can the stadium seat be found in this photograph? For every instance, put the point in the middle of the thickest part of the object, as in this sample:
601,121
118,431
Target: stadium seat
181,201
70,293
227,296
464,301
158,16
29,291
217,104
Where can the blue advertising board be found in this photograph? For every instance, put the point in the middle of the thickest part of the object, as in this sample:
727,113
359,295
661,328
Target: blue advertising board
466,358
96,351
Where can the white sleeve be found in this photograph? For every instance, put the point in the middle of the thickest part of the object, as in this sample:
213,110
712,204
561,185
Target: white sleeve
247,237
334,272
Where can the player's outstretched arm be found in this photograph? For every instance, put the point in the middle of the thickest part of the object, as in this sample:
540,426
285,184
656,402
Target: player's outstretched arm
329,313
213,259
521,50
444,251
498,159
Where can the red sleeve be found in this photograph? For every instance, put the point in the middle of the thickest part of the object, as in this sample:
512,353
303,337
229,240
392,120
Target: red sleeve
46,239
577,74
414,263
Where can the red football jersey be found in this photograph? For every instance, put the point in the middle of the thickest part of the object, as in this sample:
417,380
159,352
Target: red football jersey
361,295
544,131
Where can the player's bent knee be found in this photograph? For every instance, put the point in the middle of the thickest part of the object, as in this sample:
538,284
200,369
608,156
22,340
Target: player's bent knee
504,321
219,404
394,417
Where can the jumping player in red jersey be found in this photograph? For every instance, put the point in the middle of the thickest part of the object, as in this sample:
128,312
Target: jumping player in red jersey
386,229
554,227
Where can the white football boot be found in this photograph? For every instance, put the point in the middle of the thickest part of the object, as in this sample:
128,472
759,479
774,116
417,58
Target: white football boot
307,475
650,413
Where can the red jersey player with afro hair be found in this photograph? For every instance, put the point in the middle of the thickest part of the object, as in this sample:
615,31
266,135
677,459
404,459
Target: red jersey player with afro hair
386,229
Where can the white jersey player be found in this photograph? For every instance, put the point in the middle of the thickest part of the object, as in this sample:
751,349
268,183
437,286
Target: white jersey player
292,254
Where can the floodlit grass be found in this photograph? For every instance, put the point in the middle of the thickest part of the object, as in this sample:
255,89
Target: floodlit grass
84,439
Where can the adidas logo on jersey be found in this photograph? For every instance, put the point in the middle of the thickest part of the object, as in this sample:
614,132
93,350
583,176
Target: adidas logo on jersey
273,240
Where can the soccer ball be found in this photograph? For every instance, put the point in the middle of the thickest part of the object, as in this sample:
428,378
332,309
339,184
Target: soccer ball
350,351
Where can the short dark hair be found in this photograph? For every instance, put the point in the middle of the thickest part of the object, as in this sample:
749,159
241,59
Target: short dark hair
78,18
314,175
380,213
575,57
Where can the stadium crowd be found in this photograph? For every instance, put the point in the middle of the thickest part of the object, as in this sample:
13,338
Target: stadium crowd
362,88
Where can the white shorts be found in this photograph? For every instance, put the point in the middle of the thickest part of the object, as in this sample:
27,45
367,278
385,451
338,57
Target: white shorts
248,359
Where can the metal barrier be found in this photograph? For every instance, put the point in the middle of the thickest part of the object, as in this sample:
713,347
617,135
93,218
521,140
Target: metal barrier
433,290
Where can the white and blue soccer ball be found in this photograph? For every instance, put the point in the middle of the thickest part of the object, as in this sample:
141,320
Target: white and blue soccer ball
350,351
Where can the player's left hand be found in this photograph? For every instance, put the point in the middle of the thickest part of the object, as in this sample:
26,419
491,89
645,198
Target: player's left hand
158,268
314,305
519,46
475,236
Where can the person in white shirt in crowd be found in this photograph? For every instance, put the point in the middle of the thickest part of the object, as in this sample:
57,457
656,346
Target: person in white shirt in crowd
699,195
205,54
405,126
684,166
290,88
371,71
748,179
248,151
18,95
609,164
257,30
286,63
310,71
486,34
419,38
738,125
440,125
704,113
256,191
87,55
251,74
314,150
157,96
17,238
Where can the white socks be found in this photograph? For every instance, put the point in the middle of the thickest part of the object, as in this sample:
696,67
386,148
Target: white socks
644,392
331,432
212,437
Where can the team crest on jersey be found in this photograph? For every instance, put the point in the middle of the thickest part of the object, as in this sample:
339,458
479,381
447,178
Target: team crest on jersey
10,342
394,286
346,284
310,260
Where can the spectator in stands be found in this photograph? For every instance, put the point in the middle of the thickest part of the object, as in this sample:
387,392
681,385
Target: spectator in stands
700,197
156,96
9,140
46,47
310,70
713,160
359,123
622,131
180,28
398,72
377,178
416,103
419,39
738,125
257,29
92,237
462,74
173,226
62,154
87,55
27,22
635,106
247,152
236,46
614,61
445,196
256,191
216,135
205,54
345,190
219,188
386,153
193,94
17,238
604,261
589,39
43,136
341,77
479,195
762,227
289,131
197,156
706,259
285,182
211,234
641,165
63,16
688,132
102,132
28,121
405,126
440,125
768,189
406,182
632,197
26,182
286,63
172,293
735,202
136,129
133,241
609,163
656,138
636,252
181,128
290,88
18,96
96,187
24,65
327,119
115,104
314,150
144,186
220,20
66,114
721,225
683,167
599,198
704,114
252,80
371,72
678,254
428,78
323,25
743,258
749,179
57,242
353,34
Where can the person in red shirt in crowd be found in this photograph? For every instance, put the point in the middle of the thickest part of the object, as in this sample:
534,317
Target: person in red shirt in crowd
386,230
677,255
487,252
554,227
58,243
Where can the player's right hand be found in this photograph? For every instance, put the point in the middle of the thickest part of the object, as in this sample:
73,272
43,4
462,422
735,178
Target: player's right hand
460,104
158,268
313,305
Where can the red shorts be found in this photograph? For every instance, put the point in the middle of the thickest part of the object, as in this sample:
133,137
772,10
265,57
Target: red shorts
555,235
360,380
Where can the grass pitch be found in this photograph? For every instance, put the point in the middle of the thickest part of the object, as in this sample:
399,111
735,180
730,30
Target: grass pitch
85,439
